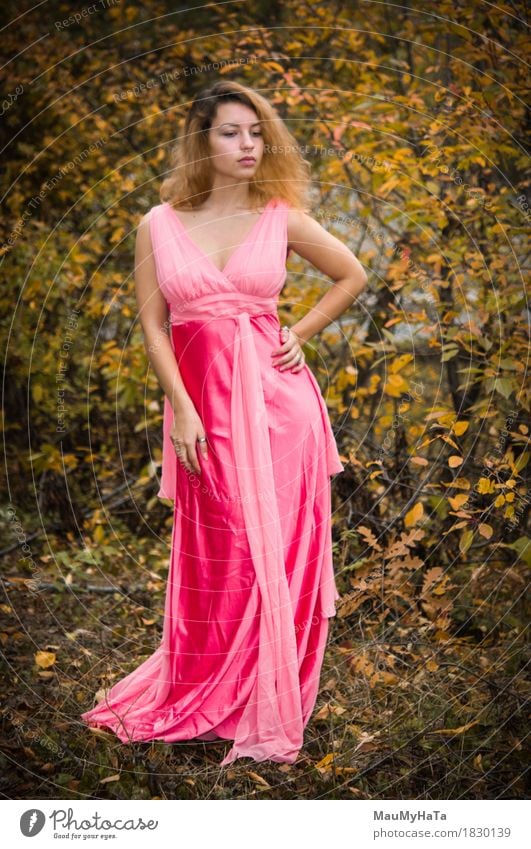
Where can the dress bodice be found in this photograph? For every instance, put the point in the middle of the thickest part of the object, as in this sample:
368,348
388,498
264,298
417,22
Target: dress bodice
191,283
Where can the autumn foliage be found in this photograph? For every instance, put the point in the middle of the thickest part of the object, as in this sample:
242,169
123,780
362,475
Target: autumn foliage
414,126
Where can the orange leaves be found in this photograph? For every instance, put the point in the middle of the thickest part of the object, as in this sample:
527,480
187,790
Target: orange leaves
419,461
384,579
458,500
455,732
435,582
401,547
414,515
454,461
44,659
258,779
369,537
375,673
328,710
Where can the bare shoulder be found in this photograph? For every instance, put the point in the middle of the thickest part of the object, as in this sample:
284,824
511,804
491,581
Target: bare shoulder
146,217
143,234
309,239
302,226
298,218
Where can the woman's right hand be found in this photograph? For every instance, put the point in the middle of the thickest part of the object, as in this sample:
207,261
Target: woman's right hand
184,432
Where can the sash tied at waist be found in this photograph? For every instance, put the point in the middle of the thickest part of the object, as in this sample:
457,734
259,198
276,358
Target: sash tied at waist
221,305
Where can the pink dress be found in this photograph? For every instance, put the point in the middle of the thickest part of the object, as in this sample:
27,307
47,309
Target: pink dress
251,585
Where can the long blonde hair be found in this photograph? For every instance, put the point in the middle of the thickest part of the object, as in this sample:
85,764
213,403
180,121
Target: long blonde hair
282,173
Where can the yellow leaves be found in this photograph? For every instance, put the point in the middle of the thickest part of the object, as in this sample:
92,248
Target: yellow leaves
399,362
414,515
274,66
447,439
99,534
325,764
44,659
117,235
460,427
396,386
454,461
388,185
346,377
485,486
70,461
419,461
48,458
37,392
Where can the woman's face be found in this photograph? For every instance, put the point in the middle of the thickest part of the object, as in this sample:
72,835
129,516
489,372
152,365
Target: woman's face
234,135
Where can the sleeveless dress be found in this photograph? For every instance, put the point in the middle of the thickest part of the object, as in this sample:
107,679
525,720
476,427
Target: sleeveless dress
251,585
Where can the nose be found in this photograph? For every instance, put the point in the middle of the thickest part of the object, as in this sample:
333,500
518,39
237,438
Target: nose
247,142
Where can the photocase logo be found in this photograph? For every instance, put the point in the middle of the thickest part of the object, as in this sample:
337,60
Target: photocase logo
31,822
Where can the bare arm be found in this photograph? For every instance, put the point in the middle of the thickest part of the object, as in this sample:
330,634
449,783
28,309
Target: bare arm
154,318
153,312
331,256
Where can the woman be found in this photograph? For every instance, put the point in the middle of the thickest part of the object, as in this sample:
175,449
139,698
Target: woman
248,449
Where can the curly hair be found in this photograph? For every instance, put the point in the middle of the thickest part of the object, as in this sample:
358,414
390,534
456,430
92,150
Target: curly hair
282,173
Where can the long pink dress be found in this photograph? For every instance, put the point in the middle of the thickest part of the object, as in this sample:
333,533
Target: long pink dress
251,585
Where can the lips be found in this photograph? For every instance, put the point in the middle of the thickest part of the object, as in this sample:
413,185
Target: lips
247,159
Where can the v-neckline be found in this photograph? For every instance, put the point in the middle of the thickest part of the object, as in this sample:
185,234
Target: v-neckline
222,271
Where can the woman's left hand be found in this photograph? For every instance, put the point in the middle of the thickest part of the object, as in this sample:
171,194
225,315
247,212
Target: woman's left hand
290,354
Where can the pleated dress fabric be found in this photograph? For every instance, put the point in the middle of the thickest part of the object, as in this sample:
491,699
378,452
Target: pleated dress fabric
251,585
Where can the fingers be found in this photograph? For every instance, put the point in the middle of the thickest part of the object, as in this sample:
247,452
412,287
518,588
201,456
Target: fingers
294,359
289,341
300,364
187,454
